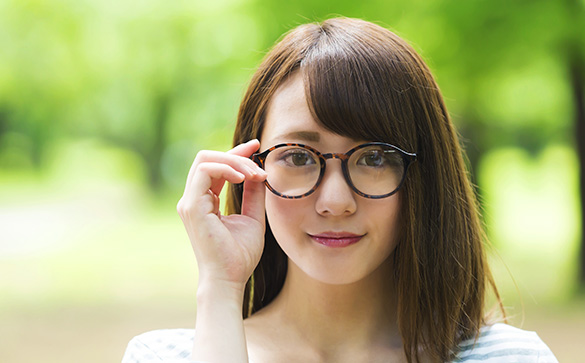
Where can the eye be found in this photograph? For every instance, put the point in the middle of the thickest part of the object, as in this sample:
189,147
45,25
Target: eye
379,158
298,158
373,158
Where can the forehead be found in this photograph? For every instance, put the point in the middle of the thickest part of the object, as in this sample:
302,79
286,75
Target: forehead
288,112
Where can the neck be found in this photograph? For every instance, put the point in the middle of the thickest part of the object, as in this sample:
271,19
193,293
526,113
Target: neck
358,314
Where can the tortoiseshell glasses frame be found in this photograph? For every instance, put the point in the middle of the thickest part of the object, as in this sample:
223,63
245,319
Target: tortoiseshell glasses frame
407,159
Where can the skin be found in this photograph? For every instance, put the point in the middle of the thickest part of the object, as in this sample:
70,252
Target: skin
337,304
227,248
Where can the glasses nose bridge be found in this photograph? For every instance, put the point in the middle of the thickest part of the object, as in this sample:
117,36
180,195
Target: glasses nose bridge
341,156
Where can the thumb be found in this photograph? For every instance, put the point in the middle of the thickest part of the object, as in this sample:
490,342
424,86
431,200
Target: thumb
253,204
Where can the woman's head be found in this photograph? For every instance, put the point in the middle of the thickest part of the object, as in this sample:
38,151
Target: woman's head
328,231
363,82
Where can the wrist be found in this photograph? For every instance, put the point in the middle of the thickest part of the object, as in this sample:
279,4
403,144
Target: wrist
219,328
213,291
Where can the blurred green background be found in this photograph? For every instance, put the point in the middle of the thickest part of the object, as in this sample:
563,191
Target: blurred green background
104,104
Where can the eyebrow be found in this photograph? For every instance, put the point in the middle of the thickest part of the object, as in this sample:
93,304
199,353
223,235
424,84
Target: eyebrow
301,135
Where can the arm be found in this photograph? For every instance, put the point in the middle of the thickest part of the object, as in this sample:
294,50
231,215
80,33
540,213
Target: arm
219,331
227,248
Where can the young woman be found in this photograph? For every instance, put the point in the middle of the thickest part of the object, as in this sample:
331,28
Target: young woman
352,232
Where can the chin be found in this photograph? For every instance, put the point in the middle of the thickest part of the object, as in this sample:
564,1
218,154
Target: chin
338,274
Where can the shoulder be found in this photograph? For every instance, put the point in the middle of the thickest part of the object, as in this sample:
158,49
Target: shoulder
501,342
166,345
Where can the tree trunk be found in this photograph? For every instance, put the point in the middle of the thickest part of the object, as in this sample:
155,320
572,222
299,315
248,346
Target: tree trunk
577,75
158,141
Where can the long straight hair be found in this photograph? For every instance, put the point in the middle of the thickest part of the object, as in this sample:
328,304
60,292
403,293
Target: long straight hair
364,82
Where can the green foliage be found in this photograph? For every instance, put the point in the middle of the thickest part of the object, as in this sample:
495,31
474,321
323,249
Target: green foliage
164,79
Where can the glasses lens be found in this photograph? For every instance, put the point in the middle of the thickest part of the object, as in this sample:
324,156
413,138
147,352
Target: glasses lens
292,170
376,169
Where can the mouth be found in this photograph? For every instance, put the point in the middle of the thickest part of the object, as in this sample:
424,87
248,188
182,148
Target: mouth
336,239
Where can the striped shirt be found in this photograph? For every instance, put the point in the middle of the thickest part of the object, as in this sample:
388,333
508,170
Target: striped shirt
496,343
504,343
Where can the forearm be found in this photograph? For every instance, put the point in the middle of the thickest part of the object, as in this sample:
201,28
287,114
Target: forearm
219,331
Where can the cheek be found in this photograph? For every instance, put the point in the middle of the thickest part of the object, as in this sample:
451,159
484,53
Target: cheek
284,215
385,221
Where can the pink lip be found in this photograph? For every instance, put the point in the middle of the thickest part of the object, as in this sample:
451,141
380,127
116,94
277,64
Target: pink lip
336,239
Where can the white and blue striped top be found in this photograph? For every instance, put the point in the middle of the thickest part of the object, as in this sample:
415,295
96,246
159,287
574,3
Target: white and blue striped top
496,343
504,343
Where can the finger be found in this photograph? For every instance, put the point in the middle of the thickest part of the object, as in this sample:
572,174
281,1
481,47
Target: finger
212,176
190,209
198,197
241,163
246,149
253,204
218,184
215,201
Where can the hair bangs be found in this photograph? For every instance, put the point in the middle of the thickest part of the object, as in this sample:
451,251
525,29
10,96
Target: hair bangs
357,86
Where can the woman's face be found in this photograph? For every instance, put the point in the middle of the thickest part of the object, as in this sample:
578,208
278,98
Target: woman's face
333,235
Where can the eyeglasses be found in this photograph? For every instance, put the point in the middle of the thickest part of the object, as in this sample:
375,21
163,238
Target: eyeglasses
373,170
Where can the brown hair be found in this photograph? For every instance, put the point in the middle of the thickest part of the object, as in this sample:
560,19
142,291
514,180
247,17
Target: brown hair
364,82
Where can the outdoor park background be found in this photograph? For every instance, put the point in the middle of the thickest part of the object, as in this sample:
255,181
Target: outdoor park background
104,104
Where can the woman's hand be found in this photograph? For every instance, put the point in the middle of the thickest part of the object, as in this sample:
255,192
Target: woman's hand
227,248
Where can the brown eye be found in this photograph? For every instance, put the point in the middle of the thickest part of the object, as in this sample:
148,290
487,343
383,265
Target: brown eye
379,158
297,158
373,158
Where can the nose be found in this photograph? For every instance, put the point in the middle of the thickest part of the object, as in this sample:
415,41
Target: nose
334,196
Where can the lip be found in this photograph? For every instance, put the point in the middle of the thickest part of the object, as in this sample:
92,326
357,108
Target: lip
336,239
